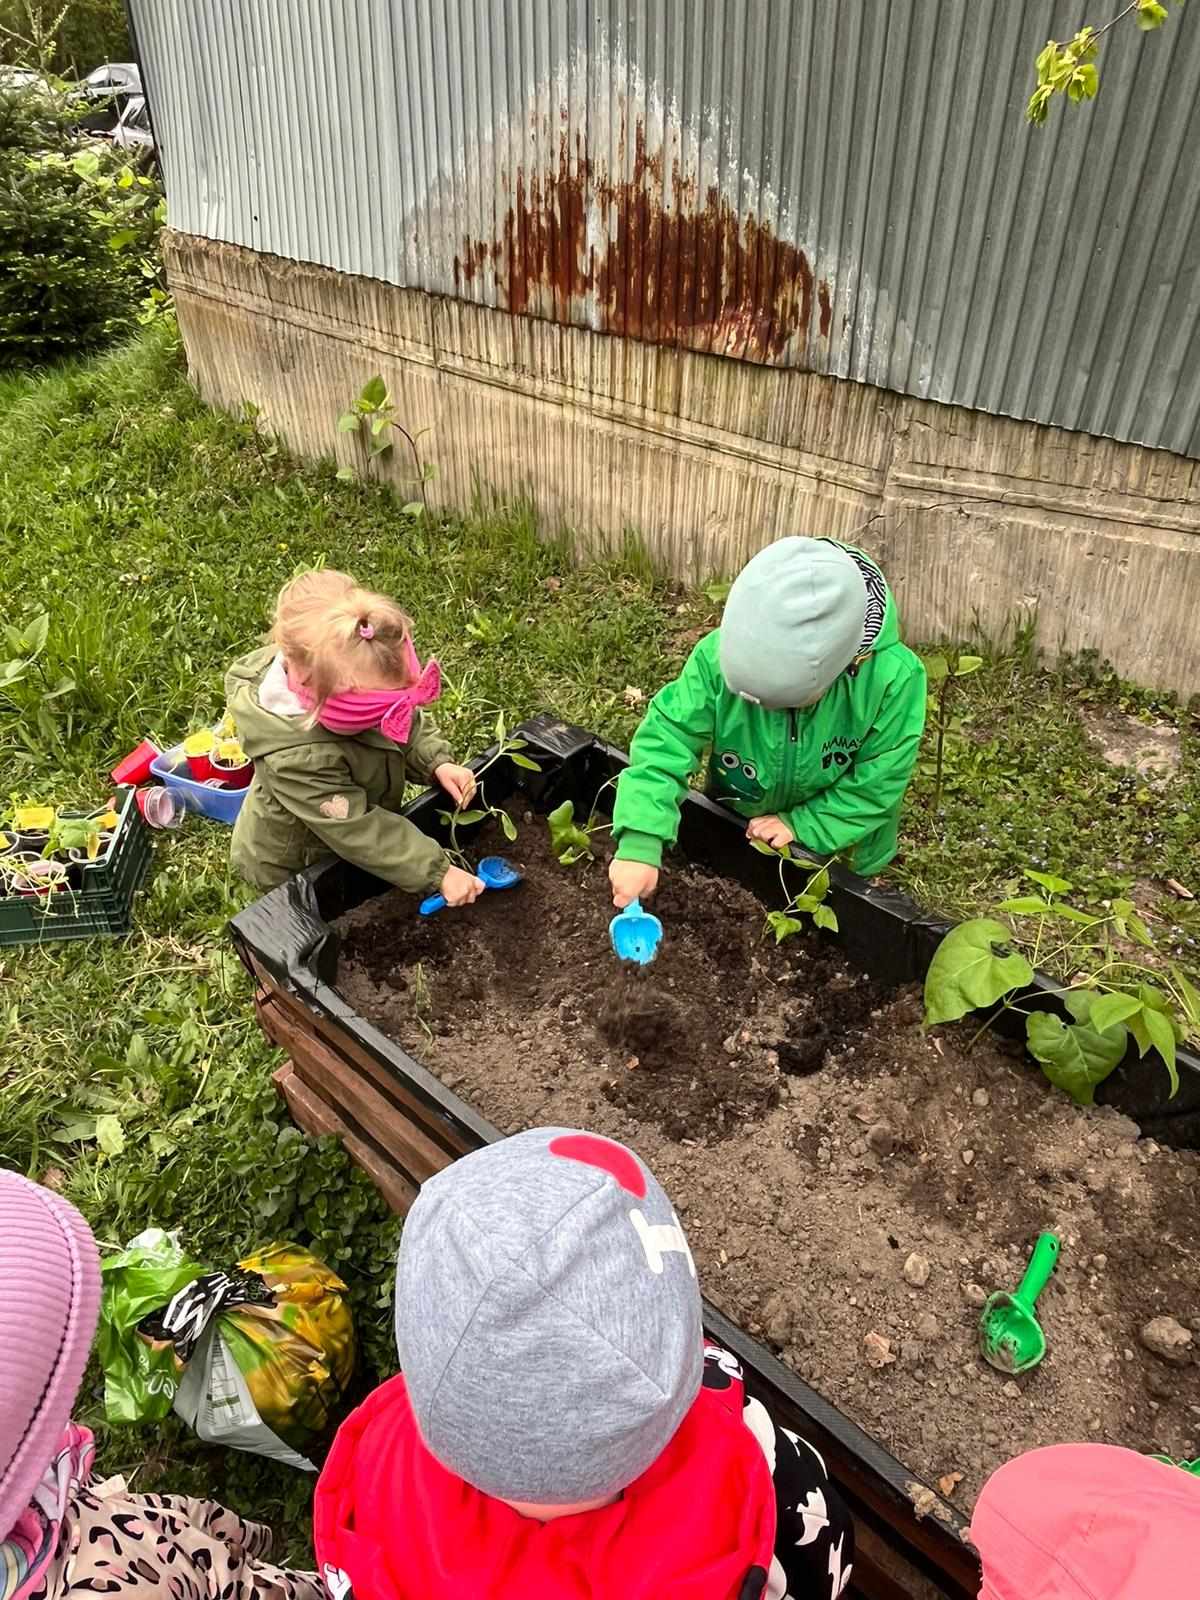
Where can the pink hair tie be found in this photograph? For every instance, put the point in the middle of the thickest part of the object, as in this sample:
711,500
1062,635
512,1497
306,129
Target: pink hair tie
365,631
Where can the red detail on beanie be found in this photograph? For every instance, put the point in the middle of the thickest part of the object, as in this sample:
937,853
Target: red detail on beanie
611,1158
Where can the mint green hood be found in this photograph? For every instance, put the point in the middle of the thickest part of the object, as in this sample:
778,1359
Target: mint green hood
835,772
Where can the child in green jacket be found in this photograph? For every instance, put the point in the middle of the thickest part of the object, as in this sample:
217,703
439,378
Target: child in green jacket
331,713
812,709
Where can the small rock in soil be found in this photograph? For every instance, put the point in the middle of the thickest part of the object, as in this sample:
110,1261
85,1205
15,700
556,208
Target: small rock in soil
878,1350
967,1157
974,1294
927,1327
917,1269
881,1139
981,1098
1012,1391
1167,1339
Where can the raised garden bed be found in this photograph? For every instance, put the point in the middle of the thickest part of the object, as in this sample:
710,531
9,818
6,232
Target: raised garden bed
812,1137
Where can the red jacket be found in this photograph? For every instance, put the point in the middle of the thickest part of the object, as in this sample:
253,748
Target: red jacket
391,1523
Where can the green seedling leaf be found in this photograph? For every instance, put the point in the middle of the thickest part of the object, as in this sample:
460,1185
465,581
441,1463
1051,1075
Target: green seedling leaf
374,392
508,825
411,508
110,1135
783,926
826,917
1027,905
1161,1030
1150,14
717,592
973,966
348,422
523,761
936,668
1073,1056
501,728
967,665
1110,1009
463,819
567,839
378,424
1048,881
765,849
345,474
818,885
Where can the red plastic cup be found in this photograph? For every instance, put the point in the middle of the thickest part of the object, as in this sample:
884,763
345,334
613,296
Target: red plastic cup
135,768
201,769
233,777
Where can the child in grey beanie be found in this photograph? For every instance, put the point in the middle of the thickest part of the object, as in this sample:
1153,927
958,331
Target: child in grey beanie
560,1427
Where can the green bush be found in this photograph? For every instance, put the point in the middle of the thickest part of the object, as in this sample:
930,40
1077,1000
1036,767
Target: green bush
78,231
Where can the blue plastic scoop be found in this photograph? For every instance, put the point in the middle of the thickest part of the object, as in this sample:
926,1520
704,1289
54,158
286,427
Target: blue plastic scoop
635,934
496,872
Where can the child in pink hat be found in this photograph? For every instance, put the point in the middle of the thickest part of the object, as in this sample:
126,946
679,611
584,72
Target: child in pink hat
62,1533
1087,1522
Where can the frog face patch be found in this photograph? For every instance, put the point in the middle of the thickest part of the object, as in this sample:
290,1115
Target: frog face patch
736,777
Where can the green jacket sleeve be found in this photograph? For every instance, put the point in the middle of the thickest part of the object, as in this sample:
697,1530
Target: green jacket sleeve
667,749
321,796
427,749
869,792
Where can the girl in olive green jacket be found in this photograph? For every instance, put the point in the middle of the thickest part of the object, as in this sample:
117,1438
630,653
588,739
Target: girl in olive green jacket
331,712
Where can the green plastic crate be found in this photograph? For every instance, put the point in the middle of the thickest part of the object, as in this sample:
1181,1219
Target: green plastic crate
101,905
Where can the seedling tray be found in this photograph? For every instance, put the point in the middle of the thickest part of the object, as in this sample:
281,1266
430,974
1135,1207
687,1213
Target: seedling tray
402,1124
97,902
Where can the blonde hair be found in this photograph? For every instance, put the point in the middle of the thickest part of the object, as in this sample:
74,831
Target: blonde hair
341,635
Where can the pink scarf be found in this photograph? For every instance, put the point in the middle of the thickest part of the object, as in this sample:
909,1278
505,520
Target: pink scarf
390,710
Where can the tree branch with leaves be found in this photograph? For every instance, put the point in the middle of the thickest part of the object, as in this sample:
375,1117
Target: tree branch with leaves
1069,67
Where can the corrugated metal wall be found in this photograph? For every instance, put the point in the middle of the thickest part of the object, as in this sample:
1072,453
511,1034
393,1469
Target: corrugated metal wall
846,185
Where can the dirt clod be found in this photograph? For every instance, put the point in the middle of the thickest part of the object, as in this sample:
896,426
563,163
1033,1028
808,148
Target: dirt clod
917,1269
881,1139
1167,1339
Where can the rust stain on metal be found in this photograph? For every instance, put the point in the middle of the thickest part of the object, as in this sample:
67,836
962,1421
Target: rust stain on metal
578,246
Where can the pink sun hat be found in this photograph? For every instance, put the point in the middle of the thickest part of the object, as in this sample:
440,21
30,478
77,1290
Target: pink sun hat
50,1272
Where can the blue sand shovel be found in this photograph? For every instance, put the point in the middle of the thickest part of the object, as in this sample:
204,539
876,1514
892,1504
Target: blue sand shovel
635,934
496,872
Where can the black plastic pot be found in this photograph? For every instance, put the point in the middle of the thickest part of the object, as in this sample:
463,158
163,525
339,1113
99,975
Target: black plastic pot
911,1541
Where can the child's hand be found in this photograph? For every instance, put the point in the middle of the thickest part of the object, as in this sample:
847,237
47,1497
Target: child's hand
458,782
631,880
771,831
461,888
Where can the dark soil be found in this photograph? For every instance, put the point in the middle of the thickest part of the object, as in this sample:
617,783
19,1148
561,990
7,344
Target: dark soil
814,1140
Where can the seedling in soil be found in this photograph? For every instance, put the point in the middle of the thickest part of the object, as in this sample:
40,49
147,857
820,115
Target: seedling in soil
810,901
568,840
982,963
480,810
372,415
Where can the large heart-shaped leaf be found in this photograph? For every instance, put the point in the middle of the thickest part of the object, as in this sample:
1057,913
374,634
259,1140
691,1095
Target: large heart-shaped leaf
974,966
1075,1056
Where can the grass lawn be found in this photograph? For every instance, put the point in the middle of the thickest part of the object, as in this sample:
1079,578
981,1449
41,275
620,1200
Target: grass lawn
156,534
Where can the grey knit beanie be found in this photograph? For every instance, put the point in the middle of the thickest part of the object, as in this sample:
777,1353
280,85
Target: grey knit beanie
547,1318
793,622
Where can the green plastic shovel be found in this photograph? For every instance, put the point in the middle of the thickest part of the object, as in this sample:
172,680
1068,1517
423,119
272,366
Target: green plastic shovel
1010,1336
